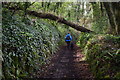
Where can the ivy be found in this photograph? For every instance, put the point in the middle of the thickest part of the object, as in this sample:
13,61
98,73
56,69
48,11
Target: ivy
26,46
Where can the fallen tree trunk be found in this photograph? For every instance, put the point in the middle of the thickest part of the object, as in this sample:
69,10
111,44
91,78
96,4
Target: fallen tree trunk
55,18
58,19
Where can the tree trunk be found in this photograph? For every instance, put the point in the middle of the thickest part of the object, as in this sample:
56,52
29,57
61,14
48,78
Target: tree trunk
113,12
58,19
54,18
110,16
116,9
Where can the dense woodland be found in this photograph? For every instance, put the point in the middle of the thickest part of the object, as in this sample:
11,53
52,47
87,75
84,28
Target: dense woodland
34,31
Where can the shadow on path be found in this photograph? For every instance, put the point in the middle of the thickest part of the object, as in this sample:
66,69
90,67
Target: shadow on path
67,64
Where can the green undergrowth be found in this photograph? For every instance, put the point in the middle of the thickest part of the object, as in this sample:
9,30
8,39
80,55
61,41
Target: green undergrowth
26,45
102,53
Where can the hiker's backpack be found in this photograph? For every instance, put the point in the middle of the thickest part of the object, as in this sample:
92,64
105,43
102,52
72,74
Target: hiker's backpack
67,38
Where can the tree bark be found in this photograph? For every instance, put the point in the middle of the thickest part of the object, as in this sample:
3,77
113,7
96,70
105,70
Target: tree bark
113,12
58,19
54,18
110,16
116,11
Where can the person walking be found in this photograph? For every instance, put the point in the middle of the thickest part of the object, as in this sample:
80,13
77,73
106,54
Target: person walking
68,39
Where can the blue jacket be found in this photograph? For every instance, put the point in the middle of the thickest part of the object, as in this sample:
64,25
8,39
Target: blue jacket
70,37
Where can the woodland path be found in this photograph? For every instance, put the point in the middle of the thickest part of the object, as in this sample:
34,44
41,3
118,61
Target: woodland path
67,64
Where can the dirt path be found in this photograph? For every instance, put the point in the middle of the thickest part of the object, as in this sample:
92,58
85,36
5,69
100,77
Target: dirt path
67,64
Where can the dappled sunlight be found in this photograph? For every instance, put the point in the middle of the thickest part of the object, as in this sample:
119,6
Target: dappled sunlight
60,40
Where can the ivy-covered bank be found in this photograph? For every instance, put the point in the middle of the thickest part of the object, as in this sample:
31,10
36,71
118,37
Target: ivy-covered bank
26,44
102,53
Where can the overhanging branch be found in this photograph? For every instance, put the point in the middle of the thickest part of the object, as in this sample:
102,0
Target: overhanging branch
54,18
